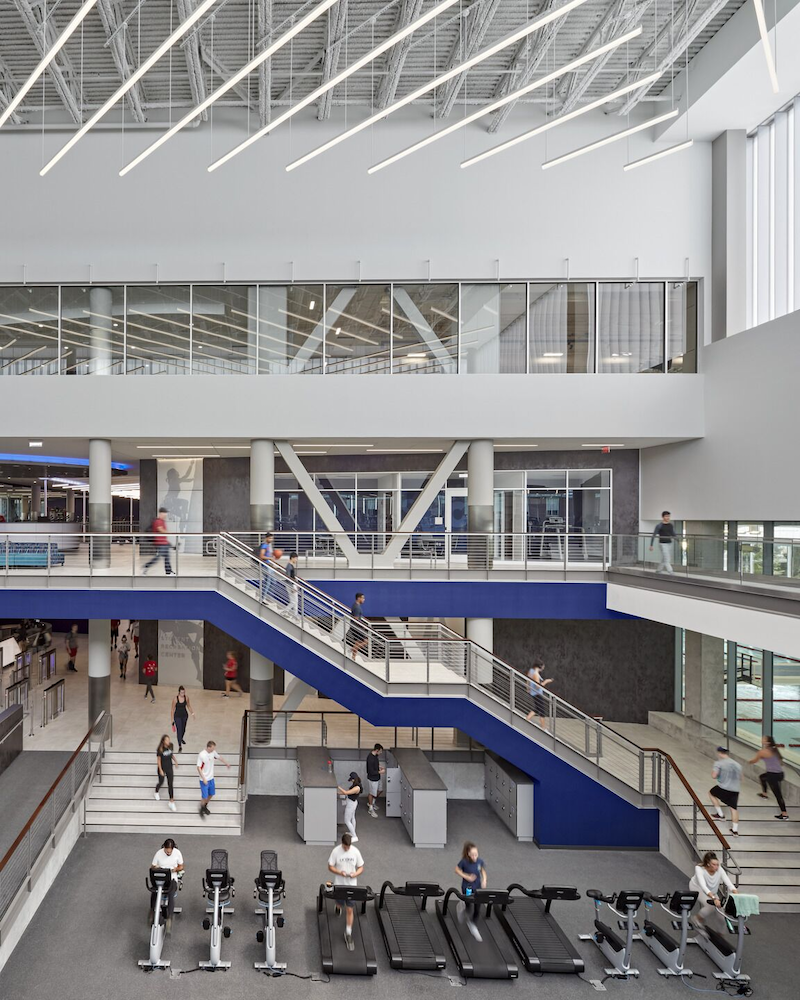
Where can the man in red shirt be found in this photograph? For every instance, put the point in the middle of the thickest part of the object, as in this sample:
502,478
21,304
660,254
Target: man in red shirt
150,671
231,675
160,543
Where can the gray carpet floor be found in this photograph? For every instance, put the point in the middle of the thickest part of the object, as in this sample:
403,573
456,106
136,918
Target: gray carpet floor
91,929
23,785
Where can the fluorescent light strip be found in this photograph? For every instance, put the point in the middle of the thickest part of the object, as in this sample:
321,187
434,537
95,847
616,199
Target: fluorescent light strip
646,81
609,139
501,102
229,84
133,79
657,156
439,80
762,30
45,61
335,81
602,446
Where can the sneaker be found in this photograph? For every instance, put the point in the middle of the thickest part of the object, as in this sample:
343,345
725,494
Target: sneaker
762,795
372,813
173,807
474,931
348,940
782,817
224,696
168,925
733,833
354,840
156,796
202,813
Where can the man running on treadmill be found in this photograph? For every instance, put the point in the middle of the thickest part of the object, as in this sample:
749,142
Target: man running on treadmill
346,864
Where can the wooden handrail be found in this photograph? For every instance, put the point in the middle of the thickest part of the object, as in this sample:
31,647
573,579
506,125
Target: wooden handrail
692,794
50,791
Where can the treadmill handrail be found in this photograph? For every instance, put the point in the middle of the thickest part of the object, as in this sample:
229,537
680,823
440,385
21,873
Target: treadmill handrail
357,893
548,892
423,890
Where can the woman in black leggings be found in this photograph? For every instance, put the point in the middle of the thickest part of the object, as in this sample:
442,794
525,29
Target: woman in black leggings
772,776
164,755
181,708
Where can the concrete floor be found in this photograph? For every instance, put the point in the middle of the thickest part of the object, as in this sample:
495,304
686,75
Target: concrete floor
91,929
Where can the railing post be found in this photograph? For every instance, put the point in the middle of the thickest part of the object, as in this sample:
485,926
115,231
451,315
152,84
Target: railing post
427,665
667,768
694,823
641,772
387,662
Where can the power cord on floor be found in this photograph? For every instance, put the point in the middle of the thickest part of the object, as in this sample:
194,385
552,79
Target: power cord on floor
731,987
280,973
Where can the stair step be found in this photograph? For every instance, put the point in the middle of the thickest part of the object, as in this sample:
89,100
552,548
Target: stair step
149,769
776,894
162,820
766,859
209,831
183,779
157,805
148,757
136,792
768,876
751,842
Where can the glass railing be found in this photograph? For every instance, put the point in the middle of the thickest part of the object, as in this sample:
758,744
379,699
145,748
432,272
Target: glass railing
444,328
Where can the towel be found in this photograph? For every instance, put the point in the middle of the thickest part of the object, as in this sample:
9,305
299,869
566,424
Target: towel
745,903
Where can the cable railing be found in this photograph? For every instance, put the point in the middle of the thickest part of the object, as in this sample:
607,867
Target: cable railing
46,824
441,663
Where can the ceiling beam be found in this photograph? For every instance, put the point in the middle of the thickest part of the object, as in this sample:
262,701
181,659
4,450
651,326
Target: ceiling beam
191,52
337,19
8,81
309,66
409,11
224,72
481,15
685,39
60,69
622,17
264,35
526,61
122,54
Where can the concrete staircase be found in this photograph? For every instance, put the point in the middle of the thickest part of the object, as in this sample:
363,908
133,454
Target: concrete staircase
123,801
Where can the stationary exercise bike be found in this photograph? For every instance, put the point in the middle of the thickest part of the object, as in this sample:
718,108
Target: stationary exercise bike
269,892
218,889
727,957
160,883
662,944
624,905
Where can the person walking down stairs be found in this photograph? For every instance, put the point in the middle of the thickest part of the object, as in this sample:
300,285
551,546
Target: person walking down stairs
165,761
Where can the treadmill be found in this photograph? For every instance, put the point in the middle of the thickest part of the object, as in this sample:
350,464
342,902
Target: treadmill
336,958
493,956
540,942
410,934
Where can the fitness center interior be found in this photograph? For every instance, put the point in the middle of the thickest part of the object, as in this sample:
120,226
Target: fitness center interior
331,677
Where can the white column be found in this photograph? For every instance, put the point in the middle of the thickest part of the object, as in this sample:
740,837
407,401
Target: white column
101,331
99,668
36,501
262,485
262,672
481,632
100,499
480,502
729,210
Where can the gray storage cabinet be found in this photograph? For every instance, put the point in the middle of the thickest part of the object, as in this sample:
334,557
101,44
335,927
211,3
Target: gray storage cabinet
316,797
423,799
509,792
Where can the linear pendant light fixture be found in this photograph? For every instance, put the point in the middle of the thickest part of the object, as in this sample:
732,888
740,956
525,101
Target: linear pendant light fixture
515,95
609,139
480,57
134,78
336,80
659,155
230,84
560,121
762,30
45,61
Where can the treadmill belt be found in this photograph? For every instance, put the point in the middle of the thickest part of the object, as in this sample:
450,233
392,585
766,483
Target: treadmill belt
490,958
336,958
417,945
542,944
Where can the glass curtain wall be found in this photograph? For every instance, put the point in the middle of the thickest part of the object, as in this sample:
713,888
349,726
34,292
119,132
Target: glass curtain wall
29,335
225,329
493,329
562,328
631,326
158,329
290,329
93,330
357,330
425,334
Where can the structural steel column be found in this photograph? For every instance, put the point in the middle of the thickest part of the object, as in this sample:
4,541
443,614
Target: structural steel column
99,668
262,485
100,499
480,502
262,673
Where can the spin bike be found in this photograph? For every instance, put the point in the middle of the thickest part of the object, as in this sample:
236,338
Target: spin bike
159,884
726,956
218,889
269,892
624,905
662,944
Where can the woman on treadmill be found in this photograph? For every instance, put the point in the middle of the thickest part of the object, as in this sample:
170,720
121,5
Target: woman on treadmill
471,869
351,795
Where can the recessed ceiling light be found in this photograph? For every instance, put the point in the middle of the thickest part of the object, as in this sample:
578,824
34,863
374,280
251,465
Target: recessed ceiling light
516,446
553,354
326,444
34,444
312,303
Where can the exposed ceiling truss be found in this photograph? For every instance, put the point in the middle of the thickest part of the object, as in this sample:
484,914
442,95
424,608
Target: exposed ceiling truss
117,35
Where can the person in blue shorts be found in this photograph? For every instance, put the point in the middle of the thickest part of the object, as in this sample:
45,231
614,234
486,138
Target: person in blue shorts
205,768
471,869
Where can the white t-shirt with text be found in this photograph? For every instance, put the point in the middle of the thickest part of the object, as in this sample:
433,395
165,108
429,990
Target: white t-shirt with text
205,761
345,859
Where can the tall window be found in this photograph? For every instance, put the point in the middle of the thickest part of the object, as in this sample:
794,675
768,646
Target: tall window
773,256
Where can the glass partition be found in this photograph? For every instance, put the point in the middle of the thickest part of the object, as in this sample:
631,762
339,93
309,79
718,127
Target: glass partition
358,330
786,705
631,327
425,334
561,328
158,329
224,329
682,326
290,329
29,336
493,328
93,330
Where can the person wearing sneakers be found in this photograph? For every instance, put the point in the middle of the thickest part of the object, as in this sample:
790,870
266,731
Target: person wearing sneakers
350,796
71,642
471,869
169,857
374,772
712,884
346,864
231,675
122,652
728,776
772,776
205,768
150,671
165,760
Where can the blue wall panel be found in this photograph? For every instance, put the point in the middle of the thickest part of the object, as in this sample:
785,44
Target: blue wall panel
602,819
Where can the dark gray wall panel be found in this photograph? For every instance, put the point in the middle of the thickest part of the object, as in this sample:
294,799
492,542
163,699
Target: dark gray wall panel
216,644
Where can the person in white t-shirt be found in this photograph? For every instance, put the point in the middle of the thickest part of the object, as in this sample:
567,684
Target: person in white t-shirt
346,864
205,768
168,856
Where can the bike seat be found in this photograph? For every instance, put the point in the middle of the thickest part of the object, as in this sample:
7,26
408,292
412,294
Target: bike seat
599,896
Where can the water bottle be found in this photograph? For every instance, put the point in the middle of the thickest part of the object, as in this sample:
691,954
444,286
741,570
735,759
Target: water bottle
330,766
